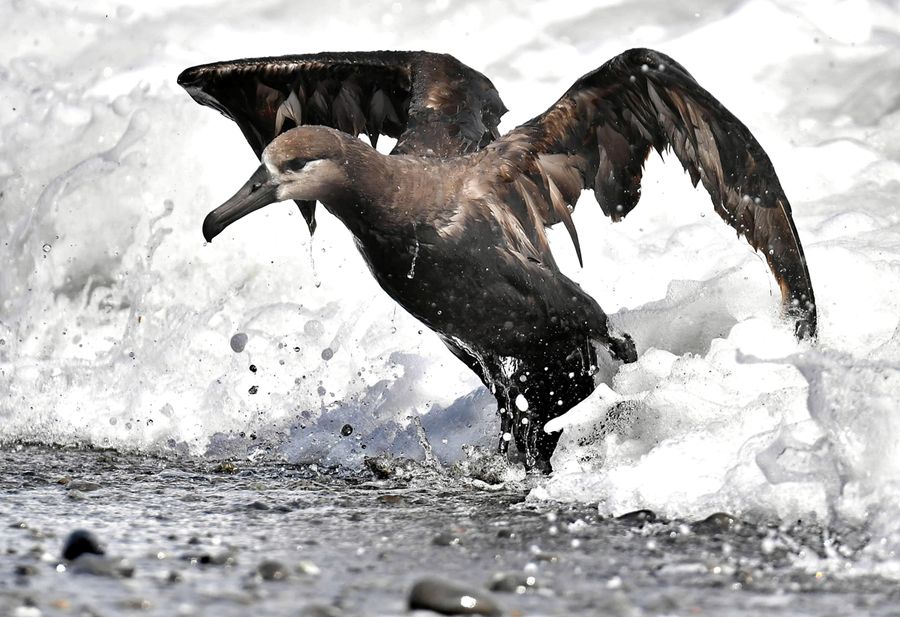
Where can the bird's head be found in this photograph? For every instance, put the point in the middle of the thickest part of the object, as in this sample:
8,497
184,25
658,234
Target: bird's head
306,164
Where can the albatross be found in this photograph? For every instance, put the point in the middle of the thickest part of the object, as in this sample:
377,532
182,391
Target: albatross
452,223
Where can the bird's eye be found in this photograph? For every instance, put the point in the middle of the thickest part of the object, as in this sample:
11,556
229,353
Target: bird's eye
255,187
295,164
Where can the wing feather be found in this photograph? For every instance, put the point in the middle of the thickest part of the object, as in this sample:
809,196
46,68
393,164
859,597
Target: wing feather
432,104
609,120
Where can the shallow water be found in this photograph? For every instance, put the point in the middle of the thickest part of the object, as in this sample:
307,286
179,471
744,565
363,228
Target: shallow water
117,322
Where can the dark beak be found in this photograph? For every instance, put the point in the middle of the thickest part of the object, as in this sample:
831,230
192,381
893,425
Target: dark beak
260,190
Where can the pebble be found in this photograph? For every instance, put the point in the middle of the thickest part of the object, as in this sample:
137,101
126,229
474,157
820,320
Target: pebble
25,569
512,582
308,568
222,558
174,576
225,558
225,467
715,523
638,516
136,604
272,570
447,598
446,538
80,542
258,505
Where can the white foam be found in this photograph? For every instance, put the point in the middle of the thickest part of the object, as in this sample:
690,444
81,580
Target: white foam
118,334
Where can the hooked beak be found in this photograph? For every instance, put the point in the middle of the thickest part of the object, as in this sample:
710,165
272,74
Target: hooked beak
260,190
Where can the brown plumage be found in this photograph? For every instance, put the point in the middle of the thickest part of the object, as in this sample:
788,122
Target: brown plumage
452,223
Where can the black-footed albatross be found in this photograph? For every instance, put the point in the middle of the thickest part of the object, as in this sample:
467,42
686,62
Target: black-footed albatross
452,223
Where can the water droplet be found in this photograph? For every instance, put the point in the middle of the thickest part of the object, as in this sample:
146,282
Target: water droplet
238,342
327,353
47,247
252,368
253,389
521,403
346,430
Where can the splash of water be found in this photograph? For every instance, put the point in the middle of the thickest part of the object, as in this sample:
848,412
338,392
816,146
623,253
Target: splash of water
116,320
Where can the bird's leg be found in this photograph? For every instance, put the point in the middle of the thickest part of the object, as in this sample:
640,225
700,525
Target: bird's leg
486,366
535,445
504,408
564,379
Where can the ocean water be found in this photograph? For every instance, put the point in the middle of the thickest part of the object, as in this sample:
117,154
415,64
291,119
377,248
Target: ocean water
117,321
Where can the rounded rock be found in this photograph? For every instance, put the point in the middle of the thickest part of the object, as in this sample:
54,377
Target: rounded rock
272,570
80,542
638,517
715,523
448,598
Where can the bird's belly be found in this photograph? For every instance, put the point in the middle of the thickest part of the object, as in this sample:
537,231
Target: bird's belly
462,295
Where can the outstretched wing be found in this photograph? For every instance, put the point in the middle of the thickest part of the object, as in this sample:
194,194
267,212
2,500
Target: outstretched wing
599,134
432,104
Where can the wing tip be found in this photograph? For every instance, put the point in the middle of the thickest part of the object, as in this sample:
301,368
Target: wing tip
193,80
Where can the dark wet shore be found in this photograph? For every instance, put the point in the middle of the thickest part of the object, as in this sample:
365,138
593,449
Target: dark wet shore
190,537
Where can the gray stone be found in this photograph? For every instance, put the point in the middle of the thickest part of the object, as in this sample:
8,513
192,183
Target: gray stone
448,598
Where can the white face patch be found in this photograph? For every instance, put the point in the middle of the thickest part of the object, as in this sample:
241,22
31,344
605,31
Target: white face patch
307,167
267,161
293,183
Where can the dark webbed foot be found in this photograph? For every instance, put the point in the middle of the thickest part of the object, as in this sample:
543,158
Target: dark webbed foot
623,348
805,318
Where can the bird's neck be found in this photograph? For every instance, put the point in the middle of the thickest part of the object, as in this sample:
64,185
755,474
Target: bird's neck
360,194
